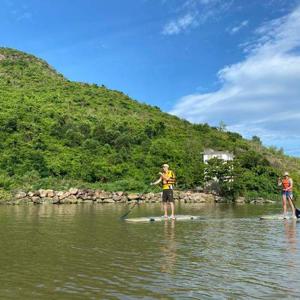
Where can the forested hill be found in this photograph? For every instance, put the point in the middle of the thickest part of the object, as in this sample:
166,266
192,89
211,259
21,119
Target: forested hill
57,133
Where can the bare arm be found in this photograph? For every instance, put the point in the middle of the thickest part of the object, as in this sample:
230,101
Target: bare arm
157,181
279,182
291,185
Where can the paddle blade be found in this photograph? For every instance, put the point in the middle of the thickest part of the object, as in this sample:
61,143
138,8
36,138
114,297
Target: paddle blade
297,211
125,215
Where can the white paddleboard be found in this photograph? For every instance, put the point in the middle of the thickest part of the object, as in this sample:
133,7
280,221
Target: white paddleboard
159,219
276,217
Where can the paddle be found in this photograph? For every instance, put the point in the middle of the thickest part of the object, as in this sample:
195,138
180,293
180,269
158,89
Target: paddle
297,211
133,206
129,211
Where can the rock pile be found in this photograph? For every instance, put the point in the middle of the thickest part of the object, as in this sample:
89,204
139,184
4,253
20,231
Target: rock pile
75,196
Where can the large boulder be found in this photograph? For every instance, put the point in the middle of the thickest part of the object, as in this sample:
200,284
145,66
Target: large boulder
270,201
149,196
176,195
20,195
116,198
73,191
71,199
53,200
90,193
133,197
50,193
42,193
240,200
31,194
62,195
123,199
184,195
86,197
197,198
258,200
209,198
98,193
108,201
20,201
219,199
36,200
104,195
80,193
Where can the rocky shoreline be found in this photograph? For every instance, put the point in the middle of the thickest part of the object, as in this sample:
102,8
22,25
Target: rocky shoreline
78,196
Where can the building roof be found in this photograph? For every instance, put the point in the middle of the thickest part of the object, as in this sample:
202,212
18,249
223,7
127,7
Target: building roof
215,152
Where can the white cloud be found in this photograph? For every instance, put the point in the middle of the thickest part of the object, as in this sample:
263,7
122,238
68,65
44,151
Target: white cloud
238,28
179,25
194,13
17,13
260,95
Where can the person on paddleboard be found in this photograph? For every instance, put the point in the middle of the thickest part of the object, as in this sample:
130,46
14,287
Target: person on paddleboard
287,194
168,179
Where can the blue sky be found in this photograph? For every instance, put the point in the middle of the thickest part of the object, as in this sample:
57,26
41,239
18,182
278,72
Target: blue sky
234,61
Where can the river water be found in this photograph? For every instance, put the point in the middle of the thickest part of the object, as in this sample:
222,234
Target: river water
87,252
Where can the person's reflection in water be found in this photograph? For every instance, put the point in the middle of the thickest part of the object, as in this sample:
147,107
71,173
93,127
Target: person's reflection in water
168,249
292,259
290,233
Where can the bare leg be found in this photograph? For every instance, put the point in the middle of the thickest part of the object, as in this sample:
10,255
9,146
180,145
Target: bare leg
284,205
292,206
166,209
172,210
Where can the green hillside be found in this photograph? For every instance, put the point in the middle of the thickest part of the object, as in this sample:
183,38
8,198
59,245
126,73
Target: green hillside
56,133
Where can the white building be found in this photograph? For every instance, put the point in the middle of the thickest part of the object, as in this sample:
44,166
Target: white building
210,153
213,184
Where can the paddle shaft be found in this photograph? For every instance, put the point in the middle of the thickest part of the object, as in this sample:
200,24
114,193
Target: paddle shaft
130,209
133,206
297,211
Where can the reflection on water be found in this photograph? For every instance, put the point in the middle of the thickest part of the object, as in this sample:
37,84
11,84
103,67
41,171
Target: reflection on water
291,240
168,249
290,227
86,252
290,233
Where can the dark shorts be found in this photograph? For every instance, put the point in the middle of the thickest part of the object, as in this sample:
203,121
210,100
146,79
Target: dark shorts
288,194
167,196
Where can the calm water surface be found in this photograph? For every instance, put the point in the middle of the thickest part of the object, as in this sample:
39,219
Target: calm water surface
86,252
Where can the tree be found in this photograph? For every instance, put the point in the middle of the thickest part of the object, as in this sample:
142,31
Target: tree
256,139
222,126
223,173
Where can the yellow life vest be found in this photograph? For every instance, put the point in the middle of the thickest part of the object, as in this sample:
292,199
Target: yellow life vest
169,184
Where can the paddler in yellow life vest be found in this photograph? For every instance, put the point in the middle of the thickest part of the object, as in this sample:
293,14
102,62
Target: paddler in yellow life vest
287,194
167,177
